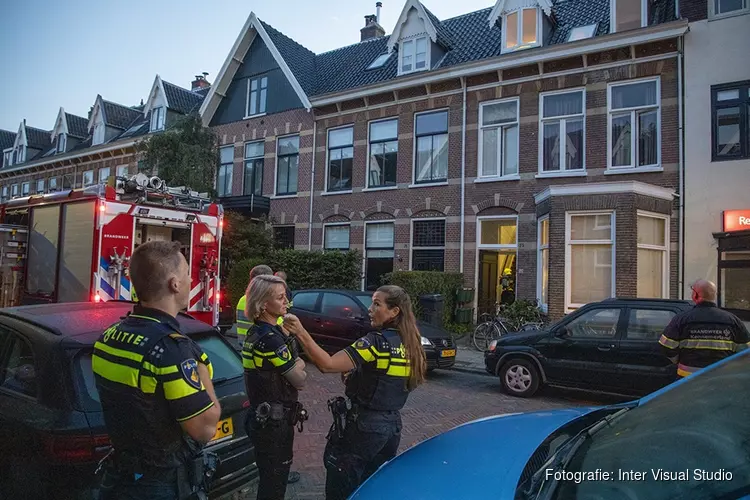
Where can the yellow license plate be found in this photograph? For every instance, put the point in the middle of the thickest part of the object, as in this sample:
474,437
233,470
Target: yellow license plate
224,430
448,353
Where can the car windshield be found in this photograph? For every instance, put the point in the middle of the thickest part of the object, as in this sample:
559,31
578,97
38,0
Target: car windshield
226,365
689,442
365,300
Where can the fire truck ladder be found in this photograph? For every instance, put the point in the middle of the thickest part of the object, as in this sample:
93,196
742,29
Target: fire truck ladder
146,190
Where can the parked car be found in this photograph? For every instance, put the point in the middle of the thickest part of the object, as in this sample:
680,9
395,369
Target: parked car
610,346
687,440
51,423
337,318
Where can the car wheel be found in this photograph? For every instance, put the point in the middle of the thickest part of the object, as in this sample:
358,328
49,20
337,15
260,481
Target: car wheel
520,377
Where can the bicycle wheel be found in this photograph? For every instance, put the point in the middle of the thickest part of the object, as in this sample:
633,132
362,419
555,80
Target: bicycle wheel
483,334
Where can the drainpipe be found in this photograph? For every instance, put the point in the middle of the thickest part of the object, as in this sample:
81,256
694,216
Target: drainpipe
681,170
463,178
312,187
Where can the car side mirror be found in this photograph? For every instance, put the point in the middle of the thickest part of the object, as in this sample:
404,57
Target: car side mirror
562,332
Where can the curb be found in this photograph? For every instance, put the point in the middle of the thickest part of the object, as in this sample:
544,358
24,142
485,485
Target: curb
470,369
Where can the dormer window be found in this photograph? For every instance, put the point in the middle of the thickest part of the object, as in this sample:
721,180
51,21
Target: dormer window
379,61
628,14
19,155
414,55
521,29
157,119
98,137
6,157
61,142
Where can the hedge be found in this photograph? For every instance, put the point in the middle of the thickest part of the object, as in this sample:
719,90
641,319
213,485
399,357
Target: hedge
338,270
418,283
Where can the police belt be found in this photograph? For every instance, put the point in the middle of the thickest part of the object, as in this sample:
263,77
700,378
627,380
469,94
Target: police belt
293,414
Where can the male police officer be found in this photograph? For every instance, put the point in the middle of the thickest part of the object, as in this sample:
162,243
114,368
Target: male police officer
703,335
243,323
155,386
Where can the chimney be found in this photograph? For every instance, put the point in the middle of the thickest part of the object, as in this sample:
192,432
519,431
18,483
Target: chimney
200,82
372,27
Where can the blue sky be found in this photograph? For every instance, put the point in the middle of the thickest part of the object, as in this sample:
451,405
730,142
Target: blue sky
65,53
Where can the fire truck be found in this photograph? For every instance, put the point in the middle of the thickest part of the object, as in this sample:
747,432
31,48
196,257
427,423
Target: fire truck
75,245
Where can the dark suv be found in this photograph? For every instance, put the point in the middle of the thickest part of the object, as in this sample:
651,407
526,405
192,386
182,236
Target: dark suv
51,424
610,346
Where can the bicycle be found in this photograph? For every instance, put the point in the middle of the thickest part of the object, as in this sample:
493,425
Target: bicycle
493,327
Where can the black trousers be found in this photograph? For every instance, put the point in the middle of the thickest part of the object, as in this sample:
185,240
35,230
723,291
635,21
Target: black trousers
273,455
366,445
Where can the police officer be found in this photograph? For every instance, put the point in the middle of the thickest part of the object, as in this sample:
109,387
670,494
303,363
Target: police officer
244,324
273,377
155,386
384,367
703,335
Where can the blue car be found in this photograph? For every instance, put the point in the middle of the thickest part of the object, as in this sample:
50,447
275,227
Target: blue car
690,439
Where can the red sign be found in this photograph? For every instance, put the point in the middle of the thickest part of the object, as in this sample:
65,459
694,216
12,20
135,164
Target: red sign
736,220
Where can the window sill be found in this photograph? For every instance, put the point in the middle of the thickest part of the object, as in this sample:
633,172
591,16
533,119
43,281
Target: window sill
518,48
250,117
631,170
386,188
480,180
333,193
283,196
719,17
562,173
428,184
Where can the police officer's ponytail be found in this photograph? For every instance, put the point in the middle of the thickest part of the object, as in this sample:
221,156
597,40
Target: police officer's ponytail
406,325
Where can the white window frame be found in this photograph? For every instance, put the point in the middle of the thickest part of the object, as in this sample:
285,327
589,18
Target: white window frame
563,172
487,246
15,190
104,170
569,305
231,173
544,306
328,158
633,167
26,188
83,178
415,140
613,12
122,170
713,15
158,118
335,224
247,159
369,153
583,32
276,167
412,49
99,134
42,183
364,245
62,142
5,192
8,157
500,153
411,239
519,19
664,249
49,184
260,90
20,154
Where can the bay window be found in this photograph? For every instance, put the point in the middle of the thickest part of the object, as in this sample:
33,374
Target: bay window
563,131
589,262
432,147
634,117
653,260
498,144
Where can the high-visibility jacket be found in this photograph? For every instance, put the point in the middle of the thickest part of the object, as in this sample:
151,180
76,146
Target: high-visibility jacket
243,322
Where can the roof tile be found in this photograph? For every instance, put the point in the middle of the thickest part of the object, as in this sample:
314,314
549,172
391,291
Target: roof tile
7,139
119,116
181,100
77,126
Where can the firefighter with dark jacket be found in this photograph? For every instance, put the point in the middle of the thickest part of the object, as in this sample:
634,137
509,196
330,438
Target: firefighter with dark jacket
383,367
155,387
273,377
703,335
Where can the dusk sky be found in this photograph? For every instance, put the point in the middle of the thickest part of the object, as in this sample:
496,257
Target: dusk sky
65,53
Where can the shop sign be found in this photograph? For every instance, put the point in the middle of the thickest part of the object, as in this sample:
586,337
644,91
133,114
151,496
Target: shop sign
736,220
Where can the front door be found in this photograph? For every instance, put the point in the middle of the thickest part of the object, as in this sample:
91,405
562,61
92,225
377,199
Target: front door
586,355
488,269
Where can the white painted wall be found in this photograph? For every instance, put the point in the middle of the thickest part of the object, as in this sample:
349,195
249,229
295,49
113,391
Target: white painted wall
716,52
414,26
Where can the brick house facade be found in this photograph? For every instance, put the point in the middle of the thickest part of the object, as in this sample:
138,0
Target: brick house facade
564,220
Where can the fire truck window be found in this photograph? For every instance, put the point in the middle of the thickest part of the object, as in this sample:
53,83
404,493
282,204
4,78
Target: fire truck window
42,254
77,248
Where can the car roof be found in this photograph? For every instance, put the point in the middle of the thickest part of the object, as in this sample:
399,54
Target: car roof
647,301
85,321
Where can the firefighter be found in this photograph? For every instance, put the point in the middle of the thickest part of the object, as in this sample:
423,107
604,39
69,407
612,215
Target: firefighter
243,324
273,377
384,367
703,335
157,397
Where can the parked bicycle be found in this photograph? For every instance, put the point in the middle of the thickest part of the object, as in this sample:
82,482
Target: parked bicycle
491,328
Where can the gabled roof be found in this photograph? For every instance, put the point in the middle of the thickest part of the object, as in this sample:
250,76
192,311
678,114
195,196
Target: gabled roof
7,139
37,138
77,126
117,115
181,100
438,33
503,6
301,61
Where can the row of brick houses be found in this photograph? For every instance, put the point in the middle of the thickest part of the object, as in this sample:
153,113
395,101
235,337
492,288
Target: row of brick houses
534,146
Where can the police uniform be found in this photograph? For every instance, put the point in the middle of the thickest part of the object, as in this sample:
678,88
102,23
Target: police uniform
702,336
243,322
146,374
377,390
274,408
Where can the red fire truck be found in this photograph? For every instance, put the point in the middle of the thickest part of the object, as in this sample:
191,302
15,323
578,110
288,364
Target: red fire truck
75,245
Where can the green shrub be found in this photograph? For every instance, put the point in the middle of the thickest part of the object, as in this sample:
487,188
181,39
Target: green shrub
418,283
522,311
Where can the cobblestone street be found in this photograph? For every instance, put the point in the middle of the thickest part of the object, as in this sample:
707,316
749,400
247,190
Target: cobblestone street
449,398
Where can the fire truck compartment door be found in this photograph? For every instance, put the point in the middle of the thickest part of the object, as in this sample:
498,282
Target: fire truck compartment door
164,223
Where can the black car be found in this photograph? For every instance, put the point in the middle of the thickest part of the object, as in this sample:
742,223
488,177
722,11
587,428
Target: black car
610,346
337,318
51,424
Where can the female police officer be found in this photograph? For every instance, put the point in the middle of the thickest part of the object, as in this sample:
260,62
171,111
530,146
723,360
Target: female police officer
385,366
272,378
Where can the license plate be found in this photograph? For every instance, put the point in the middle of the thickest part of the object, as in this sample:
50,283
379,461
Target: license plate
224,431
448,353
